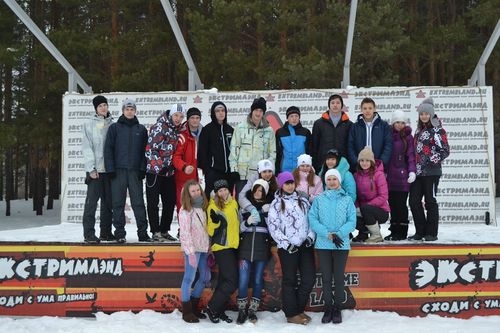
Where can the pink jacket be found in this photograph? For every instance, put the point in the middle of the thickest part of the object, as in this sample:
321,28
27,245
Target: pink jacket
372,190
311,191
193,231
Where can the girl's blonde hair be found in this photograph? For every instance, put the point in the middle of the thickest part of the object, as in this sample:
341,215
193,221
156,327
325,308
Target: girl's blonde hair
186,198
219,201
310,176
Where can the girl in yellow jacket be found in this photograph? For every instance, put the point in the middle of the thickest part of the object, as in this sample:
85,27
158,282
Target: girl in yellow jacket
224,228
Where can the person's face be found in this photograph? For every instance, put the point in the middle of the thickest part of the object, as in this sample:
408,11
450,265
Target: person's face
335,105
293,119
332,183
102,109
223,193
259,193
129,112
220,113
305,168
194,122
289,187
177,118
194,191
424,117
364,164
266,175
399,125
368,109
331,162
257,115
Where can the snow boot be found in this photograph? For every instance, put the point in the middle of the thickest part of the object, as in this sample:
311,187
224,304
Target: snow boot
336,315
242,311
361,237
187,313
252,309
224,317
194,306
375,236
327,317
213,316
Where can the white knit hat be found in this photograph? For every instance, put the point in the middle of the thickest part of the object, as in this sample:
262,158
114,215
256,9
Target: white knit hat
333,172
265,165
398,115
262,183
178,108
304,159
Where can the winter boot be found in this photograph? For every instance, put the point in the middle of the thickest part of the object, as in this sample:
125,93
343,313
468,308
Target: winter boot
252,309
224,317
336,315
361,237
194,306
213,316
404,230
327,317
242,311
187,313
375,236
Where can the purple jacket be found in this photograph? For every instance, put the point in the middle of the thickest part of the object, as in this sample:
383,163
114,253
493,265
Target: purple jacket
401,164
372,190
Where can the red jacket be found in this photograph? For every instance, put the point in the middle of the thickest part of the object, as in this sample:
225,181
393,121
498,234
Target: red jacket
185,154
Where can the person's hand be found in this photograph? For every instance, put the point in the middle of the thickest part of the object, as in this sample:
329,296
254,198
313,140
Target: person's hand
189,169
251,221
214,216
292,249
411,177
94,174
193,262
265,208
336,240
309,242
255,215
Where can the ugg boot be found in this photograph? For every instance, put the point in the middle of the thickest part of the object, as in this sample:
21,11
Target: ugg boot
242,310
187,313
194,306
375,235
336,315
252,309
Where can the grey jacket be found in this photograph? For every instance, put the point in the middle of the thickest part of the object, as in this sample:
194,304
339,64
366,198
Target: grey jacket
94,136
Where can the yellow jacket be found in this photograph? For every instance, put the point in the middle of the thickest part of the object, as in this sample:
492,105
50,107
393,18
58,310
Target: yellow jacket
225,233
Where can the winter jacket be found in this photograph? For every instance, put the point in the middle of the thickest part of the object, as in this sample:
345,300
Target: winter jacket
184,155
249,145
162,143
254,239
226,233
326,136
214,145
124,146
401,163
290,226
332,211
193,231
291,142
348,183
94,136
311,191
431,148
372,190
381,140
244,203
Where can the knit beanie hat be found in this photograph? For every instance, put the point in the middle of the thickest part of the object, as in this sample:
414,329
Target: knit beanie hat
263,183
193,112
398,115
284,177
128,102
304,159
366,154
264,165
98,100
335,96
221,183
428,106
333,172
178,108
258,103
332,153
292,110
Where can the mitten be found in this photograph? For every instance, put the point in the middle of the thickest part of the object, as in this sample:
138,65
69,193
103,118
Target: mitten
291,249
255,215
309,242
411,177
337,241
214,216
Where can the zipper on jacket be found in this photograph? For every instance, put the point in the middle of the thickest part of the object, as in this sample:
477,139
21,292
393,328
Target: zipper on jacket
253,243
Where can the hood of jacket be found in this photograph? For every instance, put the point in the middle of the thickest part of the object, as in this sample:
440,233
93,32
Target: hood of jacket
212,111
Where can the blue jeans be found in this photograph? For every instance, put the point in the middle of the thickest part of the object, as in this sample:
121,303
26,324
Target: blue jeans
189,275
258,283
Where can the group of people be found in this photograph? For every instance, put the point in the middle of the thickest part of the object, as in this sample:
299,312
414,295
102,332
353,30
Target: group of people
303,192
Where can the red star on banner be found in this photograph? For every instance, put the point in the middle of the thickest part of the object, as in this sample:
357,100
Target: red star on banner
197,99
420,94
344,94
270,98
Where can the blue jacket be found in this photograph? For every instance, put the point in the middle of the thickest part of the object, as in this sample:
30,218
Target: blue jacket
332,211
291,142
348,182
381,140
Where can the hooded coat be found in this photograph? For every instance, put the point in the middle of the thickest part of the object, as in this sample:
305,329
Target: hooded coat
402,161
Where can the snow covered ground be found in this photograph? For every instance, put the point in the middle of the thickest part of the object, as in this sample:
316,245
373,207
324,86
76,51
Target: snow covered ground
23,225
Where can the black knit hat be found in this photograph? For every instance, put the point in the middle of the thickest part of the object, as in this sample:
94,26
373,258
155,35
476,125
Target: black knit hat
333,153
336,96
259,103
292,110
98,100
193,112
221,183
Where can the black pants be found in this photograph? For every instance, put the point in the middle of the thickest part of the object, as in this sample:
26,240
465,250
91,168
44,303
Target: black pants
371,215
160,187
211,176
294,298
128,179
399,208
99,188
335,260
227,281
238,186
425,187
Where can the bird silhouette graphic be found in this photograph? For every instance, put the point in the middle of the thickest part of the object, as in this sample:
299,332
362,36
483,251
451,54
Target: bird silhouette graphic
150,299
151,257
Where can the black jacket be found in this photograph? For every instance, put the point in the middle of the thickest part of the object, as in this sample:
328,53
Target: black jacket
213,144
255,242
125,143
325,136
289,147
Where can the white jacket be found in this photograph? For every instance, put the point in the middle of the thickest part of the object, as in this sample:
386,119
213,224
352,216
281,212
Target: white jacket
94,136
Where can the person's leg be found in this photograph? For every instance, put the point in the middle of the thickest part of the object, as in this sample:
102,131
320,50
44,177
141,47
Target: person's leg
289,265
239,186
135,189
325,267
228,279
202,267
119,195
106,219
430,189
244,276
417,210
168,203
339,264
152,198
187,280
307,270
258,283
90,207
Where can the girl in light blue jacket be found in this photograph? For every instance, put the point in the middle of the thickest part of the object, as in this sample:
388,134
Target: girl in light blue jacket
332,217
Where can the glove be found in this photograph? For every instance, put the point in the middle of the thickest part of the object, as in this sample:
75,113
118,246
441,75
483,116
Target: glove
292,249
214,216
358,212
235,176
193,262
309,242
411,177
337,241
251,221
265,208
112,175
255,215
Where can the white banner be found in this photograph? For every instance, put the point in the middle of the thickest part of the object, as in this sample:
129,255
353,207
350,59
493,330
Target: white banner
466,189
